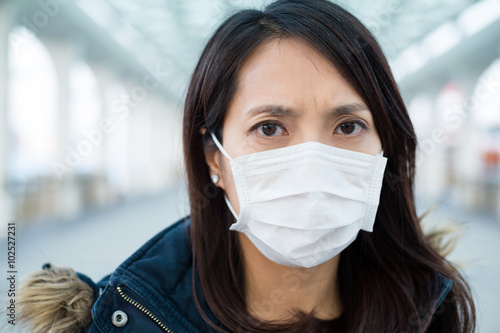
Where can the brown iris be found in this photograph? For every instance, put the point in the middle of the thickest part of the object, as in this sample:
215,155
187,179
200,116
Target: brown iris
268,129
348,128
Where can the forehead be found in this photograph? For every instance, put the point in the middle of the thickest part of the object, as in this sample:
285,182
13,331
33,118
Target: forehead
287,51
293,70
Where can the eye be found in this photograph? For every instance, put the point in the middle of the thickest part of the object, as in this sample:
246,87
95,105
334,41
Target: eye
270,129
350,128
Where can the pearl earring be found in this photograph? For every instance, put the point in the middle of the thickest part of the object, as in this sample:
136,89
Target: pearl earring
215,179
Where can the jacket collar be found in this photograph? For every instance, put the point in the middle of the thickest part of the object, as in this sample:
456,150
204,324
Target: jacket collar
157,282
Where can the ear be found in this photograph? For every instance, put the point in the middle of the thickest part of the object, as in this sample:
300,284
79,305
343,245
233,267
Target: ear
213,160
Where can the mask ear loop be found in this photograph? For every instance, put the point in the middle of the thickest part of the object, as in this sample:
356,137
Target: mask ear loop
222,150
228,203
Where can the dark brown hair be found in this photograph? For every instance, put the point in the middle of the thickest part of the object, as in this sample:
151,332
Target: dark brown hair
389,279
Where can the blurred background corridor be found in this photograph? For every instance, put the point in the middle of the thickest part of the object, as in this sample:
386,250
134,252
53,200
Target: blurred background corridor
91,98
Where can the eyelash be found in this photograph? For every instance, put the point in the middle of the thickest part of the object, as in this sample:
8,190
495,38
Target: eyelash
361,123
267,122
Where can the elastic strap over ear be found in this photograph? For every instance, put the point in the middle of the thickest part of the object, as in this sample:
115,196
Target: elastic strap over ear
222,150
230,206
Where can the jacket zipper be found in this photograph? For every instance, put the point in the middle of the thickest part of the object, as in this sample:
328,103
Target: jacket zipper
144,310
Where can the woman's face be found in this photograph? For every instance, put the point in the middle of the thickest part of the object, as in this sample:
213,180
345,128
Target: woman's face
289,94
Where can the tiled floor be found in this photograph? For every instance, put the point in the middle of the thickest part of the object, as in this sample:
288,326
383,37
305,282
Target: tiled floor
97,243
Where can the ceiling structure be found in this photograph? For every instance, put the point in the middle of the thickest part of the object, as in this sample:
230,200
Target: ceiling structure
142,36
179,29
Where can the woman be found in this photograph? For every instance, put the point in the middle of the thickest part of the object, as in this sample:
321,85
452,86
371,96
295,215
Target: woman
300,161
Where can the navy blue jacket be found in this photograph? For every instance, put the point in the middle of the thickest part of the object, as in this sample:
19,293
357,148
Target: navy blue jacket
152,290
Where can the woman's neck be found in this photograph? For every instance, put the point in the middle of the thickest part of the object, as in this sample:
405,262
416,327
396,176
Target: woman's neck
274,292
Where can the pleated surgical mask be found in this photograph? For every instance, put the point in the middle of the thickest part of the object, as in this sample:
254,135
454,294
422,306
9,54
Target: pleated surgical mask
302,205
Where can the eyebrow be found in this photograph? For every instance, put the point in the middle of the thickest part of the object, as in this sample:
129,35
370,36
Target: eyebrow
278,110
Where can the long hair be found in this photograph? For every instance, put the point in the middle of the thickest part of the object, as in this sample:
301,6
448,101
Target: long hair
389,279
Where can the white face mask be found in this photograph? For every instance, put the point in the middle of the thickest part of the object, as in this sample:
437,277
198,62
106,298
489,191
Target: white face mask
302,205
